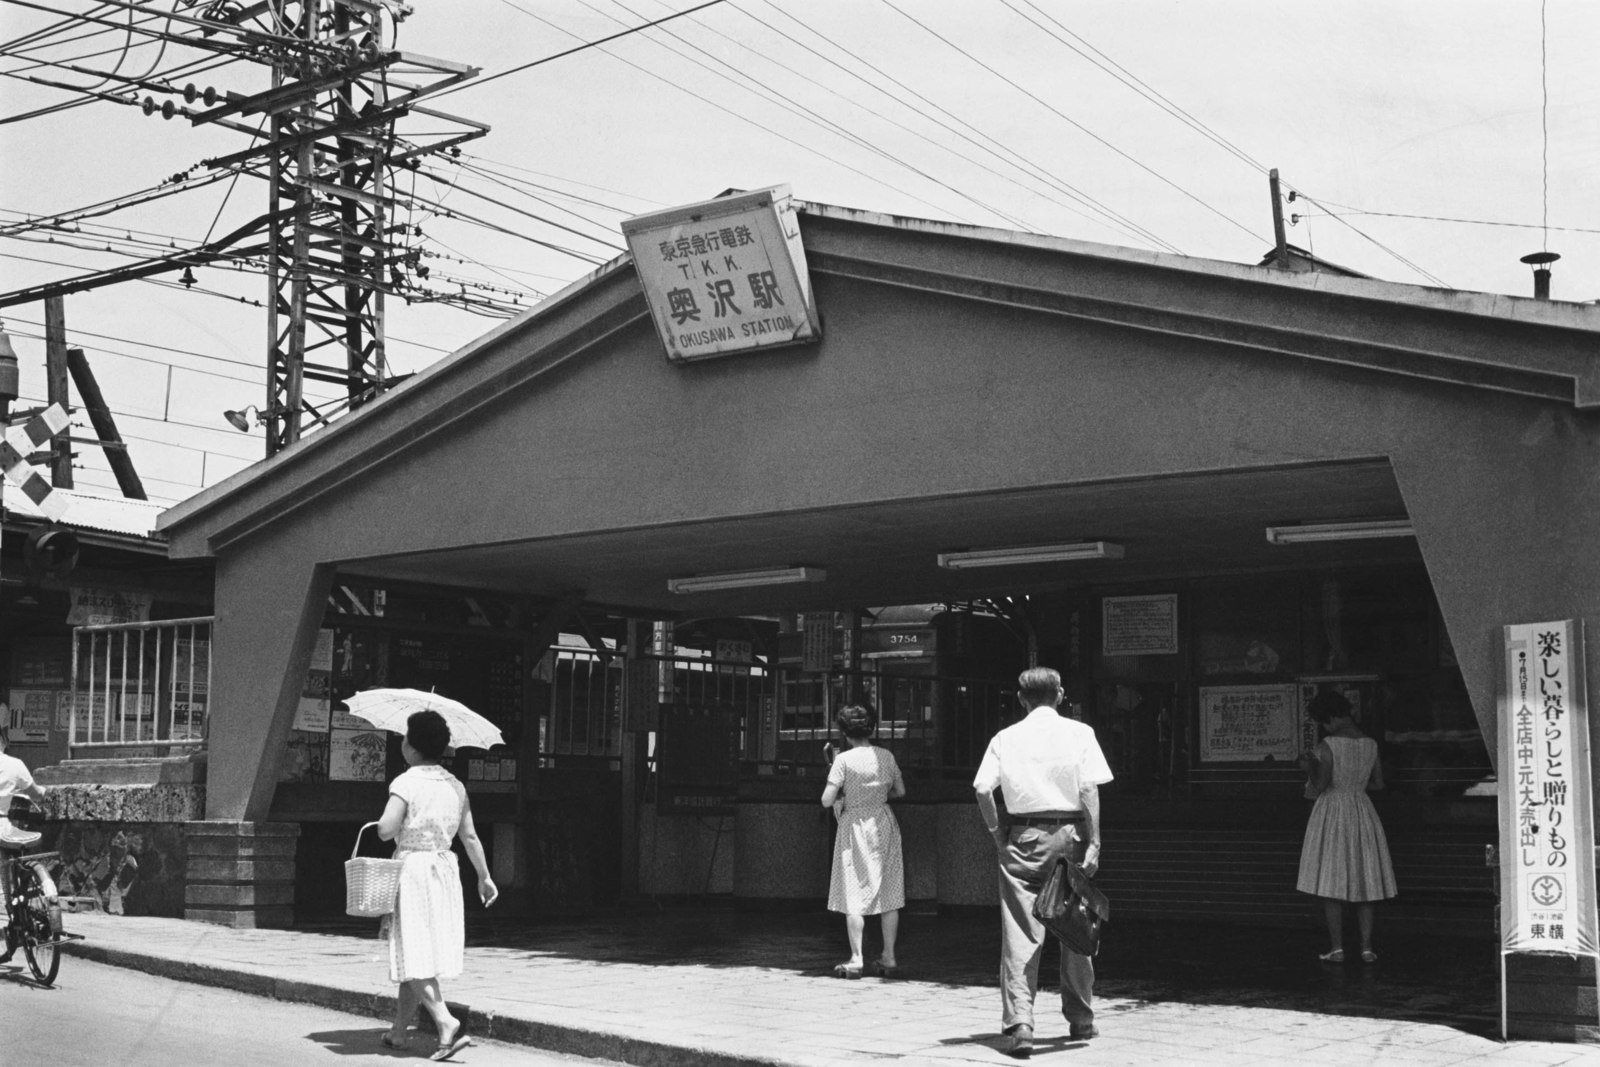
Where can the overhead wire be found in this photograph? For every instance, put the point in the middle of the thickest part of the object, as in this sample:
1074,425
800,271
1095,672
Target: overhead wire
534,293
481,160
615,247
146,359
727,110
1015,220
1138,85
1110,217
747,84
1073,122
518,185
478,83
1368,237
1348,210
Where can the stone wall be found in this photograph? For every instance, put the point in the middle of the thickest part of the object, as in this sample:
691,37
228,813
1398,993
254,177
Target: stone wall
118,825
122,868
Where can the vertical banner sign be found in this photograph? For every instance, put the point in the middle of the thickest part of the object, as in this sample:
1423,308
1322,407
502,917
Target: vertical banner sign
1547,884
816,637
726,275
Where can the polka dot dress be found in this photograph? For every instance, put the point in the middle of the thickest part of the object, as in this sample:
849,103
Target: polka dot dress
868,869
427,932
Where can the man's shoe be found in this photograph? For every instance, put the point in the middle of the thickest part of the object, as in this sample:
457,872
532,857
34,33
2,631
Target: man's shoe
1019,1042
1086,1032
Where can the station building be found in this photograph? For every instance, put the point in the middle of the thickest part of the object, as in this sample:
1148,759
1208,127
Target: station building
662,573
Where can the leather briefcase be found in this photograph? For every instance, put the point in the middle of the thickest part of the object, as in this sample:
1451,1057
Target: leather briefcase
1071,907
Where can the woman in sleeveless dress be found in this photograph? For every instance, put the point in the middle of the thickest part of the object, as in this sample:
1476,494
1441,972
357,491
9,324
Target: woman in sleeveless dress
868,870
427,933
1345,857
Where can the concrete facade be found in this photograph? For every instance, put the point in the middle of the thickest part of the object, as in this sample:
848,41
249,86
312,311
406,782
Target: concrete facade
969,383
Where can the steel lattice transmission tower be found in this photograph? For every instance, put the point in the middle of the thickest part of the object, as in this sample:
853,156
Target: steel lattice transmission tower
337,96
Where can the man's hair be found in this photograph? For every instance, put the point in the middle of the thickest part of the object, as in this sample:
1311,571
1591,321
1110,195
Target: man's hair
1039,685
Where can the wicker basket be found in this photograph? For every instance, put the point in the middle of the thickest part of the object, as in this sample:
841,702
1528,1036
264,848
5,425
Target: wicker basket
370,884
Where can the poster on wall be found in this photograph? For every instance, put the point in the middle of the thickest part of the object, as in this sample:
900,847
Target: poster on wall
98,607
31,711
42,665
1139,625
313,711
357,755
1247,723
1547,876
697,761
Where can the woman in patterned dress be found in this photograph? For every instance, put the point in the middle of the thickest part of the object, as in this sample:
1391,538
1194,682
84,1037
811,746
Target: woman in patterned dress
868,870
1345,857
427,932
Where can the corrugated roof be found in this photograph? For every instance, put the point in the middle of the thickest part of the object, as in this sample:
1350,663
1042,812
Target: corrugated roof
86,511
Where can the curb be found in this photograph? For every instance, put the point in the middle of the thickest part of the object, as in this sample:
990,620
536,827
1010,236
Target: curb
548,1037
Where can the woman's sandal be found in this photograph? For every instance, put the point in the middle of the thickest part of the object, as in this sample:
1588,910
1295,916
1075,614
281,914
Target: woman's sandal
458,1042
845,970
1336,956
390,1041
1368,956
885,970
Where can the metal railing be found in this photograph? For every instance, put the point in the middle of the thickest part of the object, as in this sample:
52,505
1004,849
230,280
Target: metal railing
140,685
936,724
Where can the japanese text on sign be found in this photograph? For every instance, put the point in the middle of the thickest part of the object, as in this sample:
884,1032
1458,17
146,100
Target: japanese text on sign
1248,722
1544,751
724,276
1139,625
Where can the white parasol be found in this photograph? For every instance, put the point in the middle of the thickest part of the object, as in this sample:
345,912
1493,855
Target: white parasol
388,709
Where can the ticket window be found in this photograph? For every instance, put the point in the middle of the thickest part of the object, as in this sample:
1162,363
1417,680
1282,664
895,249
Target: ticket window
1137,727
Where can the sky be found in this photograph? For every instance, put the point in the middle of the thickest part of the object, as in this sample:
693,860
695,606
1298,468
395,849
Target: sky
1432,142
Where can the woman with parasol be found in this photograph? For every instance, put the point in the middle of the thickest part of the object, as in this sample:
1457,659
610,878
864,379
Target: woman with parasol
427,807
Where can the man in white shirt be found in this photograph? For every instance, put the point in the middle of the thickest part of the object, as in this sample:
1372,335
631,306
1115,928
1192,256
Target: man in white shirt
15,780
1049,769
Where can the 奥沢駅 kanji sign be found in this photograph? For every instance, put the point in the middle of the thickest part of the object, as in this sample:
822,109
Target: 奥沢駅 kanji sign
1547,883
726,275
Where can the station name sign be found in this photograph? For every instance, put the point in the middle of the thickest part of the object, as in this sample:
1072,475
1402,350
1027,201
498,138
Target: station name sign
725,276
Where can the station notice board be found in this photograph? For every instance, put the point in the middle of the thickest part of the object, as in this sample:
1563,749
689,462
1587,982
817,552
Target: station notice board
1248,723
697,761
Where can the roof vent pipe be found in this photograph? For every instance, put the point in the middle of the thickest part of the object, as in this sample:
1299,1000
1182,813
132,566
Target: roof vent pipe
1540,261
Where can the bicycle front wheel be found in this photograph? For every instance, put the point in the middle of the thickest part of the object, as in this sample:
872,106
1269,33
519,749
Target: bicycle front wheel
41,929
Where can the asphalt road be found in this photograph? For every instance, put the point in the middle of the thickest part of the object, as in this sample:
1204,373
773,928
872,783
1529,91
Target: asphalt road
100,1016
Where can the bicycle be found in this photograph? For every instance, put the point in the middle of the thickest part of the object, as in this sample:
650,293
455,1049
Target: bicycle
33,909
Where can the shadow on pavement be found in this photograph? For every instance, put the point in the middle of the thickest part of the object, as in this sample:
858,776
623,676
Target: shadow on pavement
366,1041
1420,976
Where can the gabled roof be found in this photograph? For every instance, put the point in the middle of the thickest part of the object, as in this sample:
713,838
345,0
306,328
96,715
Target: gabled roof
1518,345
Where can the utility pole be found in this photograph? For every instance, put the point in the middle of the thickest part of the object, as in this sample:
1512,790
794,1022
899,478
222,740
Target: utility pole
1282,241
105,427
55,367
335,98
331,252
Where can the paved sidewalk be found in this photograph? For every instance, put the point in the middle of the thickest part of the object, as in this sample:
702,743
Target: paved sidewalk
734,988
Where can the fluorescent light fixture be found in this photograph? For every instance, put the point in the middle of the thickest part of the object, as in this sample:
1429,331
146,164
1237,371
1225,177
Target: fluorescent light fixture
1312,532
705,583
1006,557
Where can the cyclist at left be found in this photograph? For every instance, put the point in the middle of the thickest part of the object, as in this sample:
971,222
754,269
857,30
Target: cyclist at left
15,781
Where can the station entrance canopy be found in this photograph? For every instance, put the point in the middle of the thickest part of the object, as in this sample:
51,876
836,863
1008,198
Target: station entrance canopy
969,389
